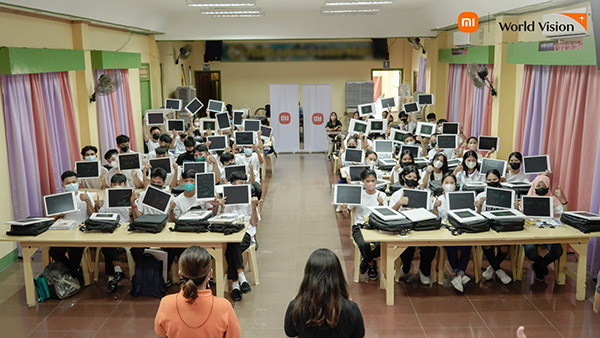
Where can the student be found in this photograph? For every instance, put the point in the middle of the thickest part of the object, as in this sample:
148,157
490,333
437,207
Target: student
352,143
158,177
112,265
141,179
123,144
514,174
472,144
409,178
164,141
333,124
435,173
356,115
181,144
406,159
152,141
90,153
384,114
233,254
194,311
541,187
409,140
201,154
253,157
370,198
468,171
390,120
431,117
85,204
111,158
189,145
226,159
457,262
405,125
494,258
322,307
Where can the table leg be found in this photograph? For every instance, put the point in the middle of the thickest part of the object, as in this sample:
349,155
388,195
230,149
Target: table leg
562,266
46,255
581,249
389,272
441,263
220,270
28,275
383,266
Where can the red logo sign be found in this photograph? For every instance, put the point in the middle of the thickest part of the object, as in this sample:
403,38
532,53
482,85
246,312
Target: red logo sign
317,119
468,22
285,118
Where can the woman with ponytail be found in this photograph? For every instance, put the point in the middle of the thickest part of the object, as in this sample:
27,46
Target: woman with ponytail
194,311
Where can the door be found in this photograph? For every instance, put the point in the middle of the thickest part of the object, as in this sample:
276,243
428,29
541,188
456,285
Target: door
145,88
208,87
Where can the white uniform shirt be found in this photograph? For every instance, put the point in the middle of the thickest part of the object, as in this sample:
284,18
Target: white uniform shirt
464,178
151,144
184,204
123,212
443,209
80,215
516,178
243,159
246,211
397,196
94,183
362,211
128,174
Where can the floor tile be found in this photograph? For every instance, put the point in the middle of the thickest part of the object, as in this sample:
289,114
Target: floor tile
394,333
77,317
475,332
530,331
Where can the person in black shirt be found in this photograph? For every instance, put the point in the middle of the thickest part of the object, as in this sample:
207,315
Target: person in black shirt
334,125
190,146
322,308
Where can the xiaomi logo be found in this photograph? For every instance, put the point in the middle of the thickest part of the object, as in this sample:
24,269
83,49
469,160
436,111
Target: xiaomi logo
285,118
317,119
468,22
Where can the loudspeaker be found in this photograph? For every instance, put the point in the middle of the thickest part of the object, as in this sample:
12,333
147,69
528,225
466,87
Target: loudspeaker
380,49
213,51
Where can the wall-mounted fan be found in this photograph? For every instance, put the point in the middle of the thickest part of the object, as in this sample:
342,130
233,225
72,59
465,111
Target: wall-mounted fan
106,84
479,77
416,44
184,53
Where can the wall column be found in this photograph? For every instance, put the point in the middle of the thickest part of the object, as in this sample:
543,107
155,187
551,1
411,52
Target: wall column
437,74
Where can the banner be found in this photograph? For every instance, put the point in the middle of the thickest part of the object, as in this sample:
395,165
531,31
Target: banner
297,51
317,107
285,116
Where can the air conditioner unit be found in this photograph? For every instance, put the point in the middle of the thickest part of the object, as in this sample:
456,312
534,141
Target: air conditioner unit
468,39
185,94
561,26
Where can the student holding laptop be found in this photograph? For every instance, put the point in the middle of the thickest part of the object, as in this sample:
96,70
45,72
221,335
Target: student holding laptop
164,141
252,156
111,157
472,144
172,179
406,159
468,171
541,187
90,153
514,174
435,173
189,145
152,141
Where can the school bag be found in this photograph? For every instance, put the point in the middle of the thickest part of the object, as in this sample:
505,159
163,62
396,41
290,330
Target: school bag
192,221
479,225
60,282
30,229
508,224
422,219
41,288
100,225
584,225
149,223
148,279
400,226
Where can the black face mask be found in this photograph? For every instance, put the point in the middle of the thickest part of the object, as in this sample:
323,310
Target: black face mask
406,164
404,120
541,191
351,147
183,136
411,183
515,165
156,136
156,186
493,184
125,149
432,144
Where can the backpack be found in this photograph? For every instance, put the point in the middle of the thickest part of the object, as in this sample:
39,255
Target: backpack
401,226
148,279
60,283
41,288
149,223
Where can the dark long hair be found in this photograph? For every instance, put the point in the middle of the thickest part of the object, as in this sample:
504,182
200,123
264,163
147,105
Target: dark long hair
194,266
319,299
444,167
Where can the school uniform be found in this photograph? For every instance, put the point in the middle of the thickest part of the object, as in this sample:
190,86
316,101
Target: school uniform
137,253
152,155
464,178
168,180
128,175
241,159
362,211
234,251
408,127
450,154
151,144
516,178
458,264
179,147
93,183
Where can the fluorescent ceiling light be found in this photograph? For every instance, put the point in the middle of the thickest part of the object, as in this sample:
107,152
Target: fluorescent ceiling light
238,15
350,11
233,11
222,4
358,3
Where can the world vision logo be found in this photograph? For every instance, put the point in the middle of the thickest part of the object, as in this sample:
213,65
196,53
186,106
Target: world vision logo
285,118
468,22
547,26
579,17
317,119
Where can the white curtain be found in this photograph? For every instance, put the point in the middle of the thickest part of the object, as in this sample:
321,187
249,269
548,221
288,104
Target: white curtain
285,116
317,107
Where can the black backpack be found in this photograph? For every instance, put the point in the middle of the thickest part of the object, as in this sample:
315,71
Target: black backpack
584,225
149,223
401,226
148,279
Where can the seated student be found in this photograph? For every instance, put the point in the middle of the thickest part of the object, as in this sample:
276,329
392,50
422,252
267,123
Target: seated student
514,174
472,144
202,154
384,114
225,159
112,265
152,141
434,149
333,124
370,198
181,144
541,187
90,153
431,117
468,170
458,264
435,173
356,115
190,145
322,307
141,179
253,157
164,141
409,178
352,144
405,124
409,140
194,311
85,204
495,259
123,144
406,159
129,174
111,157
233,254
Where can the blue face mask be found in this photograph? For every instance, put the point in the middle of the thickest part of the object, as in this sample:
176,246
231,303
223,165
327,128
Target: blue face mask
90,158
247,151
72,187
409,143
189,186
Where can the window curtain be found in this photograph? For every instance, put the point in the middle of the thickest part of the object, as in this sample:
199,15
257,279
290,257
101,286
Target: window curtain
41,136
377,87
421,78
115,113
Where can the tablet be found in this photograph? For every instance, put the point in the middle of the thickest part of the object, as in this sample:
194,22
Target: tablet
223,121
502,214
347,194
354,155
87,169
97,216
358,126
417,198
28,221
129,161
206,124
388,102
465,215
387,162
215,106
425,99
414,150
366,109
500,198
244,138
384,146
451,128
60,203
411,107
419,214
198,167
238,117
205,186
173,104
377,126
425,129
218,142
237,194
488,164
230,169
155,118
251,125
447,141
265,132
355,170
118,197
538,206
177,125
156,199
162,162
461,200
397,135
194,106
486,143
583,214
536,164
387,213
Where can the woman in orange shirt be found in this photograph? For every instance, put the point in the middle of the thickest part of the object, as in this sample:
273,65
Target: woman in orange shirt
194,311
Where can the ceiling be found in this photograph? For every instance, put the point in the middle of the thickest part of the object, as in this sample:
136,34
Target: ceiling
284,19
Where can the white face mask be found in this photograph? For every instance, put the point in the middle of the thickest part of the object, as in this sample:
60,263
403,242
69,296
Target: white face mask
449,187
197,124
438,164
114,164
371,163
72,187
471,164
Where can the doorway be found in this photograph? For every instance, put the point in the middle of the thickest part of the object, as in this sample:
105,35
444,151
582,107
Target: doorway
208,87
145,87
387,82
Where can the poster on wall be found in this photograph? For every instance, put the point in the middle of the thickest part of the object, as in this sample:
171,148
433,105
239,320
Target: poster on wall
285,116
317,107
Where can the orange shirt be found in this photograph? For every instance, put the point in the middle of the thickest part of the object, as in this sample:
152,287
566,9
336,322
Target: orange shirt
221,321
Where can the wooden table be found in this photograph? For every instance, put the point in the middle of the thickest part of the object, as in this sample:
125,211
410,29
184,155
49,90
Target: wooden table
215,243
393,245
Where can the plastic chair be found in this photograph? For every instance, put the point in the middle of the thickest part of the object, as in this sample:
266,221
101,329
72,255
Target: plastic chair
442,258
521,263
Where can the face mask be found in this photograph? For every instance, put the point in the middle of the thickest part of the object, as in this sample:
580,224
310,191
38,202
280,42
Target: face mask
473,147
493,184
449,187
351,147
439,129
157,186
90,158
72,187
438,164
156,136
247,151
541,191
404,121
370,186
197,124
189,186
371,163
125,149
432,144
471,164
515,165
183,136
405,164
114,164
409,143
200,159
411,183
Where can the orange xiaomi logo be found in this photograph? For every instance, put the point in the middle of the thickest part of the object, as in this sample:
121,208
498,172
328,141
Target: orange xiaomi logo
285,118
468,22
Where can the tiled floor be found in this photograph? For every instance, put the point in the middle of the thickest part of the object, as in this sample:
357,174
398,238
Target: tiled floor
297,218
